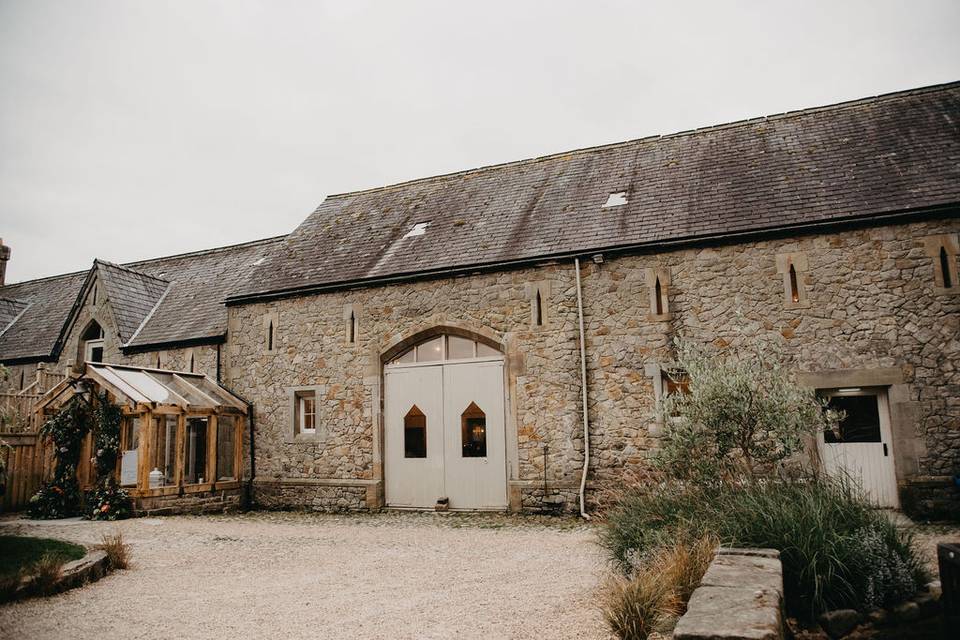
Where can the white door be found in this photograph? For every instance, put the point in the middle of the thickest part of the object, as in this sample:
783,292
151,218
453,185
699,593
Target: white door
444,435
414,436
862,446
475,447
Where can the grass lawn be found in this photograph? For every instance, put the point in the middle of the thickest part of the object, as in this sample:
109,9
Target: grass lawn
18,552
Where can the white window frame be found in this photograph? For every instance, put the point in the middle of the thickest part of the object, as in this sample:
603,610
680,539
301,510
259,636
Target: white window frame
293,431
302,412
88,348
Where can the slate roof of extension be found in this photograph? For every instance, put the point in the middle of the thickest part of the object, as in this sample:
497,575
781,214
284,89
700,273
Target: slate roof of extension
891,153
160,301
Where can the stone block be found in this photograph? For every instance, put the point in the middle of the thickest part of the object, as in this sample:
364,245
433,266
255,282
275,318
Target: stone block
731,613
753,571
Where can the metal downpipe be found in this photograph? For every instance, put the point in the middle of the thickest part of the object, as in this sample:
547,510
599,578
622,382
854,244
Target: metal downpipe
583,388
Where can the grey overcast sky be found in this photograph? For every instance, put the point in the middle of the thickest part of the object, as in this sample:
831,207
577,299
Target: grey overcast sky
134,129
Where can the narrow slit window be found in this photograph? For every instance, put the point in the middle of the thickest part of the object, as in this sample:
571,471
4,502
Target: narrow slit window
191,363
415,434
945,268
270,336
794,287
158,361
538,304
658,296
353,327
473,432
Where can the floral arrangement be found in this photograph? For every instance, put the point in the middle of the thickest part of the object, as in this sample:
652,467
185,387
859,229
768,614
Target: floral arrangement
107,501
60,498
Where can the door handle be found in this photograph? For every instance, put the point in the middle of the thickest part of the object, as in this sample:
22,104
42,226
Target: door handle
885,452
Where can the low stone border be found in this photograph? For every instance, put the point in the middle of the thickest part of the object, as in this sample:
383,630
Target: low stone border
739,598
75,573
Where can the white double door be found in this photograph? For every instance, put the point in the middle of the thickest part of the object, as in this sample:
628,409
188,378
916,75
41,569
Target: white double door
444,435
862,448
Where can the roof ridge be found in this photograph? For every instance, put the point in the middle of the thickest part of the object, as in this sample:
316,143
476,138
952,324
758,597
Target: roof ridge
208,250
835,106
127,265
129,270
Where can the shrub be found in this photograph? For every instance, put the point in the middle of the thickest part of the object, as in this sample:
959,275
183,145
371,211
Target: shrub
837,550
118,552
741,412
656,593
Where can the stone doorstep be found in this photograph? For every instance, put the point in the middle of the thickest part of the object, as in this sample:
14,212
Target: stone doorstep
731,613
755,572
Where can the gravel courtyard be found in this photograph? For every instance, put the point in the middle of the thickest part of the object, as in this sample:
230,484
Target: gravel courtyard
292,575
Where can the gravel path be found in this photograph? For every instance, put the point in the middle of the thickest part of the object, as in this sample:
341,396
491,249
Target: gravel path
291,575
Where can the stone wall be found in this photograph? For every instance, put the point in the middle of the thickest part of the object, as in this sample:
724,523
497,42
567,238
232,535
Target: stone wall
868,301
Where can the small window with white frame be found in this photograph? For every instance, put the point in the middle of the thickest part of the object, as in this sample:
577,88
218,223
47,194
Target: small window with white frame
306,418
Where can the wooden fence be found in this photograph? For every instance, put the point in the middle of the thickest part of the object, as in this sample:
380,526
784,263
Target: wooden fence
27,461
16,412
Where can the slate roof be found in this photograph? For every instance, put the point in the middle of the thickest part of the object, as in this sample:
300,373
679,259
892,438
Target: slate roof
132,295
892,153
173,299
37,329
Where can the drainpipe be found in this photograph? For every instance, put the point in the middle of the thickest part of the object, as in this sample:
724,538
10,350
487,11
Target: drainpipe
583,388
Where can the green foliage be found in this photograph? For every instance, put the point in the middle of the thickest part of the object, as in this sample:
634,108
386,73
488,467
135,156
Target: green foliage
5,449
742,414
837,550
107,501
60,498
18,553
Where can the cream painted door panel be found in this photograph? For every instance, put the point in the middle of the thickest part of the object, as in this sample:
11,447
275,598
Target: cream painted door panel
863,448
413,431
475,448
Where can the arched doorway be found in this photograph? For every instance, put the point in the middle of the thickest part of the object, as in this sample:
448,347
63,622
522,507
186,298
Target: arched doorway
444,423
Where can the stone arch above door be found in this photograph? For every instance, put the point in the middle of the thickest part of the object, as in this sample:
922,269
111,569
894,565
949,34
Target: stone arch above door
404,341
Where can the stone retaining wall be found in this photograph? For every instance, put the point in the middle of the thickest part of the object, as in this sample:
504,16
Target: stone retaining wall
739,598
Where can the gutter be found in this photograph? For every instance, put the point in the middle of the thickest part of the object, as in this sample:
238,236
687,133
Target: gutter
950,210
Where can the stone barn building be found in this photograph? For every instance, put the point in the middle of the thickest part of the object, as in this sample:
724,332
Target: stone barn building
498,338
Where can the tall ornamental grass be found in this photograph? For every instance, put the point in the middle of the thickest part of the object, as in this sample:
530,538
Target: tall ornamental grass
837,550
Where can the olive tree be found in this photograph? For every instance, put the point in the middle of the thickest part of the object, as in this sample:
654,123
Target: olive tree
738,414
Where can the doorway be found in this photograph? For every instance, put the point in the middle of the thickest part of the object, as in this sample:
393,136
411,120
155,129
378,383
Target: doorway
444,426
862,446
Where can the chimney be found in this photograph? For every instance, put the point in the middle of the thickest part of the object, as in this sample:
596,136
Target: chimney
4,256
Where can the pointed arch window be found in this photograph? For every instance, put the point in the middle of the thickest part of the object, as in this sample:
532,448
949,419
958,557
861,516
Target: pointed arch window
415,433
191,363
538,309
270,336
794,285
93,341
658,297
473,432
353,328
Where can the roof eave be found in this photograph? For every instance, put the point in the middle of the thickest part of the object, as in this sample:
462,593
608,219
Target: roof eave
849,222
